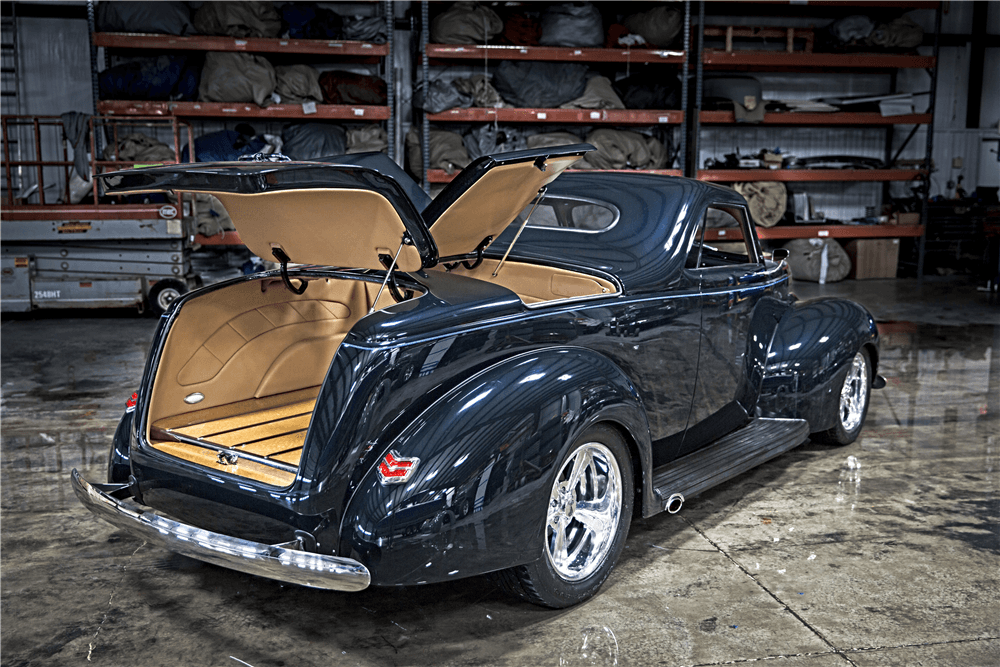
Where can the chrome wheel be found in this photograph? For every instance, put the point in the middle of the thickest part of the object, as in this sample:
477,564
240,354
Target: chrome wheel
854,394
584,512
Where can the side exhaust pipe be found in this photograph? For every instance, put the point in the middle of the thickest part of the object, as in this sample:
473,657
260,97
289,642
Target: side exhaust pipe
674,503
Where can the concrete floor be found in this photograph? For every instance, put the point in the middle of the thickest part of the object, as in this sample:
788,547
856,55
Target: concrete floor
885,552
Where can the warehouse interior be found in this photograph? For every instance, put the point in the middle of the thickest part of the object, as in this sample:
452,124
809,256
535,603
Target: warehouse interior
865,137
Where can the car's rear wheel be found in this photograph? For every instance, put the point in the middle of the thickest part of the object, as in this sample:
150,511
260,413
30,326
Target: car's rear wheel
587,519
852,408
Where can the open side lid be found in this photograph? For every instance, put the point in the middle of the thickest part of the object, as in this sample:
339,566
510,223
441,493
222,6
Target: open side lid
327,214
488,194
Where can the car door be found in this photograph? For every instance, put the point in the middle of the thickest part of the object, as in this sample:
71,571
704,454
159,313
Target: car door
732,278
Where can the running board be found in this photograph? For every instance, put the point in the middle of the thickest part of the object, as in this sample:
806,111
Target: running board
758,442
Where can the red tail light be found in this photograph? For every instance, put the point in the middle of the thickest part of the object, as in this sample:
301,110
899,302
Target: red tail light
394,469
132,400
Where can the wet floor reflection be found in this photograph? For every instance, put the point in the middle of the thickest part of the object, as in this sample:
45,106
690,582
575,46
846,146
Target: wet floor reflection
880,547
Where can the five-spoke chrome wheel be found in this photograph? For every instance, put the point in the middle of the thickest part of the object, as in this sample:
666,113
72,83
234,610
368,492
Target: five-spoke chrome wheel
854,394
584,512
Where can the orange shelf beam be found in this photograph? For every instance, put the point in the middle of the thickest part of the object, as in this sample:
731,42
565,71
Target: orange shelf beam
832,118
719,58
797,175
129,40
589,116
84,212
240,110
820,231
441,176
554,53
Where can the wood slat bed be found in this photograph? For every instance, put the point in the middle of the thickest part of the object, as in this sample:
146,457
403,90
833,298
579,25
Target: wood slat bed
260,439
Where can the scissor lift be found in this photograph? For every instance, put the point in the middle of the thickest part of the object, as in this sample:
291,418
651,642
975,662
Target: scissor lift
57,254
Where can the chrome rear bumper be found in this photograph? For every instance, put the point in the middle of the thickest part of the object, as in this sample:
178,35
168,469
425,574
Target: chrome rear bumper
264,560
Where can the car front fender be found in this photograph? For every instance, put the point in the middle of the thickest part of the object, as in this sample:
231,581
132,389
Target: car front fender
808,358
485,456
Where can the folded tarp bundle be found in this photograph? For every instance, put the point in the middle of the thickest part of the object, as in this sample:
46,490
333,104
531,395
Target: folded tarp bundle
621,149
225,145
165,77
818,260
535,84
367,139
447,149
237,77
308,141
465,23
647,89
297,83
659,26
572,24
768,200
598,95
238,19
139,147
365,29
350,88
168,18
307,20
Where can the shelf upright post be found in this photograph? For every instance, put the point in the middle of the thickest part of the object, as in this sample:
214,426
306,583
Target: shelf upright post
682,150
425,70
95,87
929,151
390,83
691,168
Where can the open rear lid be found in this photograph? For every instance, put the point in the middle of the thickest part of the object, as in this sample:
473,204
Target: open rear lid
347,215
488,194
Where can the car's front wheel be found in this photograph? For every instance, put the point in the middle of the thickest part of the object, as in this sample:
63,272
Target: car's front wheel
852,408
587,518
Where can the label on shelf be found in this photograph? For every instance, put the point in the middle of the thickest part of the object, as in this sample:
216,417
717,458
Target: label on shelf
823,232
358,112
595,115
240,42
309,107
525,51
722,232
541,115
664,119
577,52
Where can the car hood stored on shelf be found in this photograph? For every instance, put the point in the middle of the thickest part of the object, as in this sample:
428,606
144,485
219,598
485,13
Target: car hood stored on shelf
348,215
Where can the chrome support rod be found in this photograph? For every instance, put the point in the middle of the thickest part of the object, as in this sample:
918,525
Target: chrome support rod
388,273
538,200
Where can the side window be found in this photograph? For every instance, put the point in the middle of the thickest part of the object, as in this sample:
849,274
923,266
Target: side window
732,246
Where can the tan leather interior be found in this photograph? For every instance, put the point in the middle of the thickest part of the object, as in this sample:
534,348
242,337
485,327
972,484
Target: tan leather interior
254,340
329,227
535,283
489,205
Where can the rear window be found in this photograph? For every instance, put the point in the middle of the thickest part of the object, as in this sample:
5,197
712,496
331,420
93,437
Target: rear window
570,214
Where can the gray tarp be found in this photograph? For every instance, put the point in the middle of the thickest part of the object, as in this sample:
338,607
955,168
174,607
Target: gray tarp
659,26
307,141
236,77
598,95
238,19
77,128
441,96
297,83
168,18
487,138
482,91
535,84
818,260
572,24
465,23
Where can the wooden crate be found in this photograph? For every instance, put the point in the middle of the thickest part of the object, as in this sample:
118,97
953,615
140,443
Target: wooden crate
873,258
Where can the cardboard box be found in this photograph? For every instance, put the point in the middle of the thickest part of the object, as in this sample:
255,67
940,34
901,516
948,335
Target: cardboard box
905,219
873,258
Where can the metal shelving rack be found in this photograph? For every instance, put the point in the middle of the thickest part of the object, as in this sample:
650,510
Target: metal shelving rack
779,61
610,117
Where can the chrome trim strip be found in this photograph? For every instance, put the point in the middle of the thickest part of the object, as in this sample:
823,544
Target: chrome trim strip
586,200
205,444
263,560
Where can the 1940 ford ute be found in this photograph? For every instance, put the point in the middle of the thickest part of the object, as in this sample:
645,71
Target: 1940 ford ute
489,382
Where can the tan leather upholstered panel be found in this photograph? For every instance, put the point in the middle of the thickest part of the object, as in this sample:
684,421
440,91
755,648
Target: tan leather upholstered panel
255,339
491,203
535,283
347,228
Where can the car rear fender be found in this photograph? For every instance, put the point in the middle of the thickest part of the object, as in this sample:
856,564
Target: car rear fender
483,458
808,358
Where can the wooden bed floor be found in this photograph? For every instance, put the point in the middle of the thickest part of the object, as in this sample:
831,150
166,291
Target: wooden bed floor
273,428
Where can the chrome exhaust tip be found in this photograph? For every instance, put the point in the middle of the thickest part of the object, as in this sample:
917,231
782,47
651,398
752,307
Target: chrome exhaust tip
674,503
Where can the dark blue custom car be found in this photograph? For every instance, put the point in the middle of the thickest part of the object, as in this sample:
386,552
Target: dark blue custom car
490,382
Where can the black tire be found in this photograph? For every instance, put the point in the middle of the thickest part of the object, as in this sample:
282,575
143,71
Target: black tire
857,383
605,475
164,293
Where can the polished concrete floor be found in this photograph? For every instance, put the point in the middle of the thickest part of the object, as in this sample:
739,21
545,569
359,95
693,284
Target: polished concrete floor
885,552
